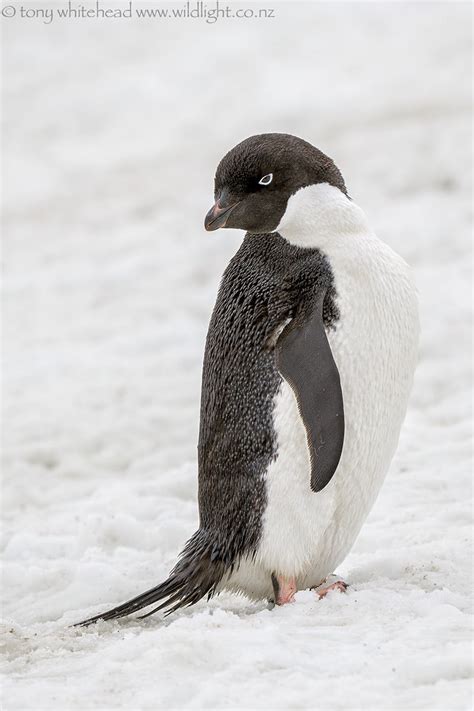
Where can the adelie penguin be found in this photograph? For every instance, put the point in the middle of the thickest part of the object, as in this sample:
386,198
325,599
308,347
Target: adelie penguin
308,366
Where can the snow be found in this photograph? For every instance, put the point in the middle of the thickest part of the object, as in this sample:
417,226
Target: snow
114,129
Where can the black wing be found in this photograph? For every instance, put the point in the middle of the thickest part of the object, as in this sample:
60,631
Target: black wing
305,360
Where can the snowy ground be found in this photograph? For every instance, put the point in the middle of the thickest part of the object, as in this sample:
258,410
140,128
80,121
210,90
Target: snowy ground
113,131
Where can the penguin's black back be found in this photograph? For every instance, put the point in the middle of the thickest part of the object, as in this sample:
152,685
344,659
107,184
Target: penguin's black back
266,282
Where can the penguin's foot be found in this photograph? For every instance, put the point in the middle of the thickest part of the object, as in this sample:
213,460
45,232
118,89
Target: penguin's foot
338,585
284,589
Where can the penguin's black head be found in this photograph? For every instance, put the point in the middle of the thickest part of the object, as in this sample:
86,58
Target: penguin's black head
255,179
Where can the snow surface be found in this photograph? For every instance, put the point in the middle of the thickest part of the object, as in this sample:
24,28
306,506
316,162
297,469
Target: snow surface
114,129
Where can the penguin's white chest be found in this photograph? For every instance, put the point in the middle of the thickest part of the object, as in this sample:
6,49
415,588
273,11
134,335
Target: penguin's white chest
307,534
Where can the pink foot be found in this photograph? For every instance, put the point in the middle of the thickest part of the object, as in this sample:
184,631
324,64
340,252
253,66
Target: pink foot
284,589
338,585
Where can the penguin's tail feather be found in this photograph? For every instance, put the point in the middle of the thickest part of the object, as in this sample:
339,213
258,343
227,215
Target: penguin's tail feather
197,573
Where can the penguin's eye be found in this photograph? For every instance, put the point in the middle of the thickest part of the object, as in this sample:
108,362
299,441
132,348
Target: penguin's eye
266,180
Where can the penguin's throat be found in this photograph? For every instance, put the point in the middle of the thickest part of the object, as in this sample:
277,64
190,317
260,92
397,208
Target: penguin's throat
320,216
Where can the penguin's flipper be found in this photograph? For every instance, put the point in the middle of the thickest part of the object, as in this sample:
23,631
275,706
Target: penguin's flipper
305,360
196,574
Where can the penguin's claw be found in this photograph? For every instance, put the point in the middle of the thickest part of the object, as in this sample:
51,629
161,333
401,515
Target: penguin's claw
338,585
284,589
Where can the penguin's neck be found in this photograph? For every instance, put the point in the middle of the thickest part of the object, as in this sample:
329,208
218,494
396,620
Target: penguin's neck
321,216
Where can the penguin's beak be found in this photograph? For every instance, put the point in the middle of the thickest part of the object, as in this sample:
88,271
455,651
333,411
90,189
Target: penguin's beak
218,214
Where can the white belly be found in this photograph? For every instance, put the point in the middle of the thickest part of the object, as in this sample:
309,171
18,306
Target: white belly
306,534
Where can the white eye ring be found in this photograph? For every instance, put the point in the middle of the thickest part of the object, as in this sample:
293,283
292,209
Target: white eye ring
266,180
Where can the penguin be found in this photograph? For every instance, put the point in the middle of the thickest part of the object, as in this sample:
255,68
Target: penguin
308,366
